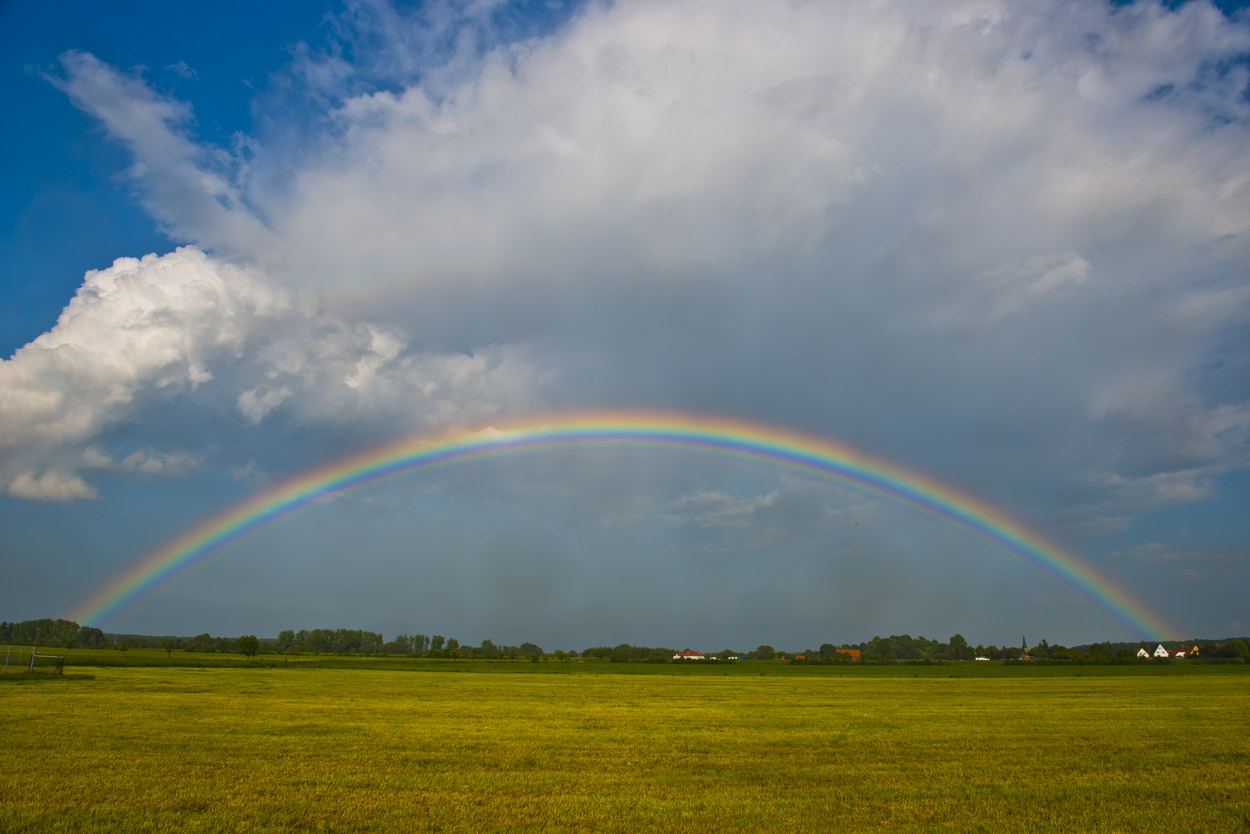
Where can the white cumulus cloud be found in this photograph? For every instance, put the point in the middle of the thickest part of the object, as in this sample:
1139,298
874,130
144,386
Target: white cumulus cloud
158,330
155,325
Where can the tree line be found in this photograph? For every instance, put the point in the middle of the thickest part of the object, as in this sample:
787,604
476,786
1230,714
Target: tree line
898,648
61,633
356,641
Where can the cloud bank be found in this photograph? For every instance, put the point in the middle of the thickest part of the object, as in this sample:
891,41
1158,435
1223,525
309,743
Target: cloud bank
1005,244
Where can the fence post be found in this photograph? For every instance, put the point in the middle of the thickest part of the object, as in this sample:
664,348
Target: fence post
32,658
7,649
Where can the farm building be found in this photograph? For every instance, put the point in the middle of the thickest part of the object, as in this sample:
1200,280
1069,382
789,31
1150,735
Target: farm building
854,653
687,654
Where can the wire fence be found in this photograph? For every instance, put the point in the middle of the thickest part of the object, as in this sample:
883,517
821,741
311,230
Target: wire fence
28,660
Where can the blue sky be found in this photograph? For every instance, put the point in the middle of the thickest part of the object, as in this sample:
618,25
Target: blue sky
1003,246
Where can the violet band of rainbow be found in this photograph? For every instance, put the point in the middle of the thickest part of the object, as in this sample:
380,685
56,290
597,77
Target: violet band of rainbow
812,455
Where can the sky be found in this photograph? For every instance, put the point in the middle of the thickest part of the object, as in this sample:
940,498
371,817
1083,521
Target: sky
1005,246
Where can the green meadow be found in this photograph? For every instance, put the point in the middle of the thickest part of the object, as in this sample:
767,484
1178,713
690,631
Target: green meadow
313,745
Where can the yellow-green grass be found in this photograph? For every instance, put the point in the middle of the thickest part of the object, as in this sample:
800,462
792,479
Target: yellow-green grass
321,749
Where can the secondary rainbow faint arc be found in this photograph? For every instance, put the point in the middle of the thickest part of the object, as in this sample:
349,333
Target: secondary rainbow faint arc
813,455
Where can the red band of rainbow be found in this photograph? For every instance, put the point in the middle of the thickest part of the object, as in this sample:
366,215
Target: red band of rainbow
811,455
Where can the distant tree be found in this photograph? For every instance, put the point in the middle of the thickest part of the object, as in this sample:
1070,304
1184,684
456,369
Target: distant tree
1065,654
249,645
91,638
898,647
168,645
1233,649
347,640
437,642
827,650
43,632
959,649
400,645
371,642
452,644
286,640
764,652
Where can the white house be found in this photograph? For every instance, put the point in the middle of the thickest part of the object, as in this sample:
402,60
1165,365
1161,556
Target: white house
1143,653
1161,652
689,655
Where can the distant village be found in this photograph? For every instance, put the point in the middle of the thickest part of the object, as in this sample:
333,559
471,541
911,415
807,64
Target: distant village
1025,653
907,649
1192,651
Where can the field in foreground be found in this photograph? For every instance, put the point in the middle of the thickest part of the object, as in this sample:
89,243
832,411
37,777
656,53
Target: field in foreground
317,749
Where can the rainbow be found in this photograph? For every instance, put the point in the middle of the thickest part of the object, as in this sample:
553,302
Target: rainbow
810,455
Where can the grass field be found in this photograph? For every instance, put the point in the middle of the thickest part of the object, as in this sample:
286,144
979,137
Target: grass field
598,747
